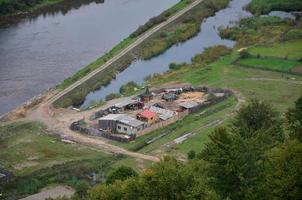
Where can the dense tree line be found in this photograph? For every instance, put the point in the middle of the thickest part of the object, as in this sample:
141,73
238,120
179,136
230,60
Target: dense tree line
11,6
258,156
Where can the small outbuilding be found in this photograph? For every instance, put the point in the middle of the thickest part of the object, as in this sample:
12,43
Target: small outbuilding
147,116
191,106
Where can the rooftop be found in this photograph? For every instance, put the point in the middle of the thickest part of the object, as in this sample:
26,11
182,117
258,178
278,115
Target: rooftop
164,114
123,118
147,114
130,121
188,104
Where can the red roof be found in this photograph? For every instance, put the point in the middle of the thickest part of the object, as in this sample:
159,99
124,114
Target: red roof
147,114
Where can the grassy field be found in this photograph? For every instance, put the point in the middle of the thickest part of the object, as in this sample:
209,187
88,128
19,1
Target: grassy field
38,160
25,147
288,49
269,64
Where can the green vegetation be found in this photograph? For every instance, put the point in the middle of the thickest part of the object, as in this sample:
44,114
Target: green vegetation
122,173
38,160
129,88
270,64
16,6
286,50
26,147
210,55
112,96
180,30
265,6
258,30
249,159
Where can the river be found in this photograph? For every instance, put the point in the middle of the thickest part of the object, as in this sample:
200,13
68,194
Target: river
179,53
39,52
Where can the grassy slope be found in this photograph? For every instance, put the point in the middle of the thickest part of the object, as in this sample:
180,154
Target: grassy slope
28,144
269,63
288,49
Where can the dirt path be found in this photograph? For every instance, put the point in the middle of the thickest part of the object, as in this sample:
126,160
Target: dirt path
58,122
54,192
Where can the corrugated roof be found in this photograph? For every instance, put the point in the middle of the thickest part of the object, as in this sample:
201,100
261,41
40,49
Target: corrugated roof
189,104
130,121
164,114
112,117
123,118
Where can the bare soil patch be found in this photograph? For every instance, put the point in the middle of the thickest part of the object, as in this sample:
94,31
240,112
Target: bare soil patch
297,70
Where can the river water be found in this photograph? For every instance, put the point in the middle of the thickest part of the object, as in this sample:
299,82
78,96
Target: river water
38,53
179,53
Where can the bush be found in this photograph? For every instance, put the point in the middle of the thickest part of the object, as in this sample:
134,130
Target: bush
128,88
191,154
112,96
82,188
121,173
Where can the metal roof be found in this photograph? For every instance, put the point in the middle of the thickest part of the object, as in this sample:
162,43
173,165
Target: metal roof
123,118
125,103
189,104
163,114
112,117
130,121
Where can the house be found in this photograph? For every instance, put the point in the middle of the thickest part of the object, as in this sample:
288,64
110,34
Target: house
163,114
121,123
191,106
147,96
147,116
129,125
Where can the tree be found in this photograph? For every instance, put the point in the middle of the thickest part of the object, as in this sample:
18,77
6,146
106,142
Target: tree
294,119
258,118
284,177
191,154
238,156
82,187
121,173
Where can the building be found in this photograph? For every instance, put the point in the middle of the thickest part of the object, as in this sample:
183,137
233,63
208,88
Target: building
121,123
163,114
147,96
191,106
147,116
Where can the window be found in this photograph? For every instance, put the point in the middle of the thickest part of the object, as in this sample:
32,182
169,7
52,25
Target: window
125,129
119,127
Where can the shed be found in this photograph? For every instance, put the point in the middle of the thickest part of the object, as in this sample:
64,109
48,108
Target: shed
147,116
108,122
189,105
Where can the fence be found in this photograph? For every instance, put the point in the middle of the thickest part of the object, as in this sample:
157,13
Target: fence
76,126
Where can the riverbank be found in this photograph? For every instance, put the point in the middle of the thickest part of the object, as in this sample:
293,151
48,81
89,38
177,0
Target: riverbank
179,30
